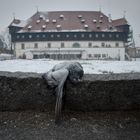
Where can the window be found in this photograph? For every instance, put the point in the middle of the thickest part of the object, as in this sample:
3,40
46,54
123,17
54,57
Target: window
76,45
52,36
117,35
89,44
79,16
58,35
86,26
75,36
43,27
82,20
36,45
110,35
61,16
96,35
90,35
37,36
17,36
29,27
62,45
82,35
117,44
94,20
103,35
101,16
22,46
30,36
103,55
49,45
98,26
110,27
103,44
67,35
43,36
58,26
35,56
54,21
100,21
41,16
22,36
97,55
89,55
38,21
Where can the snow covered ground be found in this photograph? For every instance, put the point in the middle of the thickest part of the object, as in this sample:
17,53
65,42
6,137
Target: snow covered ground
90,66
4,56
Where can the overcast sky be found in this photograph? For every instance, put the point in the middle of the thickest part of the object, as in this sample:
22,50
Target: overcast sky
23,9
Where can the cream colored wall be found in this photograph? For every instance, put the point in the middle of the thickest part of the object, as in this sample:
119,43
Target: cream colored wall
57,44
113,51
116,53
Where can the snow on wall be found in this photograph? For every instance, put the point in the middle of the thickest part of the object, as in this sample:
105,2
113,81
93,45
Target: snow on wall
90,66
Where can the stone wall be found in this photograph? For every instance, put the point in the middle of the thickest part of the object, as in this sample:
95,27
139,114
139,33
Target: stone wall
26,91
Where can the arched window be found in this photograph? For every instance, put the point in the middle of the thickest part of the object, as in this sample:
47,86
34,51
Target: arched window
76,45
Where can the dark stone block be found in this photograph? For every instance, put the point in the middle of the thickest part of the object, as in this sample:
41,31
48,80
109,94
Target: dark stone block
26,91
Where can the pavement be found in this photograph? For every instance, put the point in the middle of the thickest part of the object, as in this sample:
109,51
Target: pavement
31,125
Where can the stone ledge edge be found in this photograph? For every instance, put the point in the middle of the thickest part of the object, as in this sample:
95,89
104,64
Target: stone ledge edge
87,77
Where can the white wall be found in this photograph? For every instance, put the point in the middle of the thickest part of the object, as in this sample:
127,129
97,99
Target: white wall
110,53
57,44
96,48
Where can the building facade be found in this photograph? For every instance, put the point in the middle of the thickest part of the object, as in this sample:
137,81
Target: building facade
70,35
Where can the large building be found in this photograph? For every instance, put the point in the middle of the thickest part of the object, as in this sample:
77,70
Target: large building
70,35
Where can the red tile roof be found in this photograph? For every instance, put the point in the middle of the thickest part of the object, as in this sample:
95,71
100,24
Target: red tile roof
119,22
69,21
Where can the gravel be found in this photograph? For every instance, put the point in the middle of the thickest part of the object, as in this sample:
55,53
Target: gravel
30,125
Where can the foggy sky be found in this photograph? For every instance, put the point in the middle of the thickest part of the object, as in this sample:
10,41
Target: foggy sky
23,9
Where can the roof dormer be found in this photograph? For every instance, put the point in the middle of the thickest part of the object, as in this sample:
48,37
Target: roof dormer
79,16
47,20
58,27
41,17
86,26
38,21
82,20
100,21
94,21
29,27
54,21
43,26
101,16
61,16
